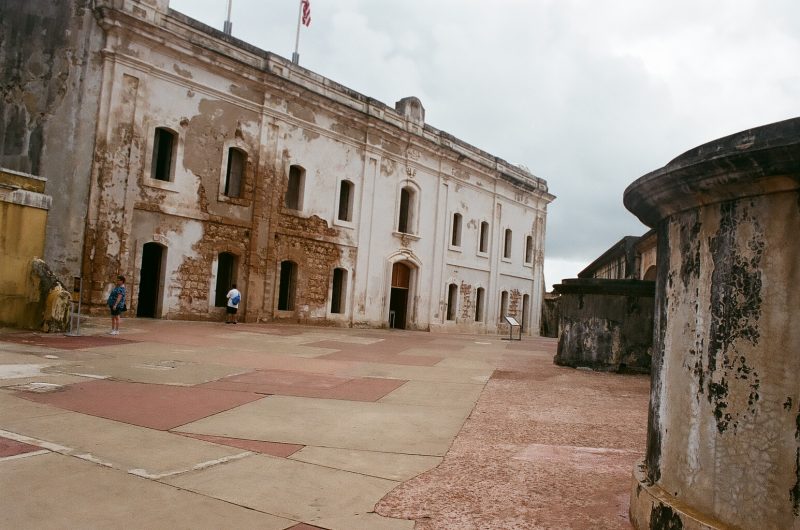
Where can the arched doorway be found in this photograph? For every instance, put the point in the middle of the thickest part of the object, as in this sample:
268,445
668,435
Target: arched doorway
398,300
150,280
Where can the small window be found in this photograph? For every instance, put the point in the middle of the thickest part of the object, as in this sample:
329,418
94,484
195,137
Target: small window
405,219
479,296
452,301
294,191
528,249
456,236
483,246
526,308
226,277
346,201
507,245
164,144
503,306
338,290
287,286
237,160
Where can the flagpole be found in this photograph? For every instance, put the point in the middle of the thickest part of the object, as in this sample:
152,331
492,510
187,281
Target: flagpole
296,55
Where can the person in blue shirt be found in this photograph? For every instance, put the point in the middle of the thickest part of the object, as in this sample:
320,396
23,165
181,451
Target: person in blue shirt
116,303
234,297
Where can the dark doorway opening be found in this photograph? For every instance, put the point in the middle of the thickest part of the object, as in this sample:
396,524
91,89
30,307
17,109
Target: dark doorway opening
398,300
226,277
149,280
287,286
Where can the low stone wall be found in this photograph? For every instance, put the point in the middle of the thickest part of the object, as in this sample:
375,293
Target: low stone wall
605,324
549,322
723,441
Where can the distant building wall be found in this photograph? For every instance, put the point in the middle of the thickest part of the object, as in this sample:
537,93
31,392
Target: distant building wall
605,324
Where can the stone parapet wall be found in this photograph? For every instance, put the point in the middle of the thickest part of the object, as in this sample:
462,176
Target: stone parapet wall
724,422
605,324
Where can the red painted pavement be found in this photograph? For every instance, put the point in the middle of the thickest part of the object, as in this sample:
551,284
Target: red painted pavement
257,446
304,384
9,447
160,407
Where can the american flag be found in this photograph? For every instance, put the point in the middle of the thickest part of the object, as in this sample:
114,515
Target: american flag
305,6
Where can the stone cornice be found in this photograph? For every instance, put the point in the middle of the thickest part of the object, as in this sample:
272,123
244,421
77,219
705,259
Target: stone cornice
753,162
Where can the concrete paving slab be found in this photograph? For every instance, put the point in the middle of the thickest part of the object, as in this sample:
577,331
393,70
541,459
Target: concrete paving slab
286,488
56,491
156,406
129,448
419,373
477,364
391,466
436,394
13,408
18,371
304,384
49,378
385,358
369,521
63,342
256,446
388,427
164,371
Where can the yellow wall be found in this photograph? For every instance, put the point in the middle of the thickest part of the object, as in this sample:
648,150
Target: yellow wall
22,235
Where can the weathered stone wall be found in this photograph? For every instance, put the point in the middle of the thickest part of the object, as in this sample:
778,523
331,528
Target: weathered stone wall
724,424
550,315
49,92
160,69
605,324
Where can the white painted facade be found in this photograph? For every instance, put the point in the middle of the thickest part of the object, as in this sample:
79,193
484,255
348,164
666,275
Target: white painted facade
162,70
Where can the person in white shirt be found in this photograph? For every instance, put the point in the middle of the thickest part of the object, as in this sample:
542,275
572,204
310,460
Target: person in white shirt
234,297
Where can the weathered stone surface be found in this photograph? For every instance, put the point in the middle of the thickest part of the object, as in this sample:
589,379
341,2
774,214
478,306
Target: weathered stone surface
724,422
605,324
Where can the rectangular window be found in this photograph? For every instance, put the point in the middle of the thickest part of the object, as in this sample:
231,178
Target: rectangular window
294,189
507,245
484,242
403,220
456,236
346,201
528,249
233,176
163,151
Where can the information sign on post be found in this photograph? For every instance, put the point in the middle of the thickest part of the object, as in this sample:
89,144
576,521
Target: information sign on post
512,323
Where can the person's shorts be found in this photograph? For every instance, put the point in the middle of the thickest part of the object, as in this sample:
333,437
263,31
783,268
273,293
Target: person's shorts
115,312
231,310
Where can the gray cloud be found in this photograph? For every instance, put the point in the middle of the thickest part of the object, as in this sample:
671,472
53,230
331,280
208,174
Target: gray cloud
588,95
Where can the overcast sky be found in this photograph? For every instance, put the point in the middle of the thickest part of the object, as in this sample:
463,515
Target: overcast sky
588,94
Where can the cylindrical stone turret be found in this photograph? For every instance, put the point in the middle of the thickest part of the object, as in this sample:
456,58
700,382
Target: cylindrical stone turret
723,447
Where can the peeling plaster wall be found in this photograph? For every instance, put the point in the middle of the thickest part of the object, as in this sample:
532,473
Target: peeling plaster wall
724,422
49,93
160,69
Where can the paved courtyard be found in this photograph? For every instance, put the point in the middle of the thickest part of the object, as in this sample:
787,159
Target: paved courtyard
206,425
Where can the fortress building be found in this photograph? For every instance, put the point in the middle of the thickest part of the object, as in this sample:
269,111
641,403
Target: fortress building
189,160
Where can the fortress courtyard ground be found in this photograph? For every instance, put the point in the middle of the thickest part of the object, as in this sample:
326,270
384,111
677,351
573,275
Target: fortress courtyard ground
205,425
